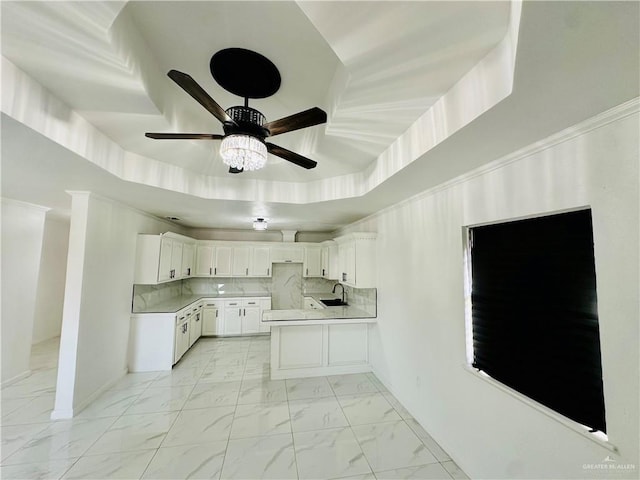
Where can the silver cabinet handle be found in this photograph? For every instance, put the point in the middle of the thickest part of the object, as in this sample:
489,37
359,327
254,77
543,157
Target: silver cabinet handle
210,271
247,271
244,312
267,272
215,271
216,313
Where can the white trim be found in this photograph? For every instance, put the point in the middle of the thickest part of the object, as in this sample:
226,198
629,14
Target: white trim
97,196
614,114
20,203
575,426
15,379
70,413
319,371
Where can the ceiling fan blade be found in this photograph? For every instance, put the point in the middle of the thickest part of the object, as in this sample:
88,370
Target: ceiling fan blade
190,86
290,156
308,118
184,136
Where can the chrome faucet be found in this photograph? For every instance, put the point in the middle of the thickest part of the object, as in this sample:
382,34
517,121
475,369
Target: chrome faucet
344,294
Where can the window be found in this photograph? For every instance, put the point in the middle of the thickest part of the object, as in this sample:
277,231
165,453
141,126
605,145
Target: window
534,315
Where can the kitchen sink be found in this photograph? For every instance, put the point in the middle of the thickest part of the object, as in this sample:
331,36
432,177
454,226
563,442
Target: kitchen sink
334,302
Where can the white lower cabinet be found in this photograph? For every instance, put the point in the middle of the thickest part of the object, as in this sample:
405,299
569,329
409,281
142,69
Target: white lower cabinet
212,317
251,316
232,317
243,316
318,350
157,341
182,336
195,328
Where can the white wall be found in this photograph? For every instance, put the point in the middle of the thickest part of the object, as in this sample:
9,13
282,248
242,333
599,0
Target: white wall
98,296
419,340
22,231
53,270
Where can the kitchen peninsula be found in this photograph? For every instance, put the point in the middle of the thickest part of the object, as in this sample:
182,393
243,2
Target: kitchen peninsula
321,340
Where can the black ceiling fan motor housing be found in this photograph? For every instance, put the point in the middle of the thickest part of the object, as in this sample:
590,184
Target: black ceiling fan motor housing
248,120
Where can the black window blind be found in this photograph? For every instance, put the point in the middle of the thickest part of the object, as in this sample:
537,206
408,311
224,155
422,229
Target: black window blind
534,312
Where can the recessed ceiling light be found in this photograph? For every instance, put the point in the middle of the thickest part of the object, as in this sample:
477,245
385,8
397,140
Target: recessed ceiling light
260,224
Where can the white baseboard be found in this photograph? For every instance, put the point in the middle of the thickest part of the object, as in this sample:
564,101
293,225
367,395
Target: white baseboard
61,414
15,379
285,373
70,413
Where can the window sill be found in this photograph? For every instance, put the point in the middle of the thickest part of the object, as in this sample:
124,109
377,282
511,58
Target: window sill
575,426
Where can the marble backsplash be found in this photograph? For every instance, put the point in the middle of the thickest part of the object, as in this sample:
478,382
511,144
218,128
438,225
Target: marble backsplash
286,285
363,298
286,288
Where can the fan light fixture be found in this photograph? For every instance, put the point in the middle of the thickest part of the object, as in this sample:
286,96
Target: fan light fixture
260,224
243,152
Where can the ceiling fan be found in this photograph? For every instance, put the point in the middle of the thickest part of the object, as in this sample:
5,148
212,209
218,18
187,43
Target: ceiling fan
250,75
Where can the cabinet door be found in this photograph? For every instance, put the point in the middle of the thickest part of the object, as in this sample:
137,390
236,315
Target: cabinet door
176,259
250,319
312,262
330,262
260,262
324,261
240,262
204,260
187,260
348,261
287,254
222,263
196,331
164,268
192,326
181,340
212,321
233,317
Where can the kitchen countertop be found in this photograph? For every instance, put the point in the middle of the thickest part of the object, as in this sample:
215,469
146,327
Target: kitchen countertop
326,315
176,304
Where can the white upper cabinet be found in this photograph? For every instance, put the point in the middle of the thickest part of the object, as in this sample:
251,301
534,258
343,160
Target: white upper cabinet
312,265
222,264
329,260
260,265
164,268
176,259
241,256
232,259
357,260
204,260
158,258
188,255
287,253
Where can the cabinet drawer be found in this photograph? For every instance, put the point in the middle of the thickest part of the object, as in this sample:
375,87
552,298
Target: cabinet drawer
213,303
251,302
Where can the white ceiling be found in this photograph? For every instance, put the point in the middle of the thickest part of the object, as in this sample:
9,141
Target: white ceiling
376,67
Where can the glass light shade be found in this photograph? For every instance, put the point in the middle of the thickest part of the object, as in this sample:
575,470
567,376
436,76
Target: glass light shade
260,224
243,152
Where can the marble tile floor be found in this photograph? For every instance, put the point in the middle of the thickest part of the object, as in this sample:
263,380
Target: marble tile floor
217,415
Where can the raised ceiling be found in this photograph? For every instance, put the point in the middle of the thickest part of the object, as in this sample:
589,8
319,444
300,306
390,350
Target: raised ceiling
405,85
